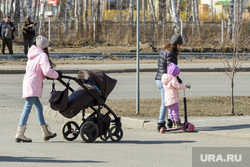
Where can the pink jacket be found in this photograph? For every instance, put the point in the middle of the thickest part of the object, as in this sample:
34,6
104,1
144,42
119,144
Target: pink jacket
37,68
171,87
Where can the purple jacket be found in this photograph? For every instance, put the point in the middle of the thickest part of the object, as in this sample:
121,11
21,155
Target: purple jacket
37,68
171,85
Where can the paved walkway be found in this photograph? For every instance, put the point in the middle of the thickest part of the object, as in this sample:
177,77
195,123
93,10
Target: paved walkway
235,126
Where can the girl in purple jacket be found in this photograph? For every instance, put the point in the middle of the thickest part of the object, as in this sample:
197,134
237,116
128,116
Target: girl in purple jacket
38,67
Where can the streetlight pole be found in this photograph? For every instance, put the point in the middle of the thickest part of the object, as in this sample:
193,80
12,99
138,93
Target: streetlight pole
138,58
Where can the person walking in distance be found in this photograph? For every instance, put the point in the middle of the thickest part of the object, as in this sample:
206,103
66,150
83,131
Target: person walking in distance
28,33
6,34
39,66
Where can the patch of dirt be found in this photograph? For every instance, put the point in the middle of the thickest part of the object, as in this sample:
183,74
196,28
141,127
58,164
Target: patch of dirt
196,106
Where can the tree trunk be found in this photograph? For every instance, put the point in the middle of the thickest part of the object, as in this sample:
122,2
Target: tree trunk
232,94
67,8
17,13
197,16
11,9
152,10
143,12
103,10
162,10
175,17
4,8
21,11
188,6
29,9
240,13
76,16
234,19
41,25
86,7
80,12
34,8
61,10
178,7
37,15
92,9
230,20
131,11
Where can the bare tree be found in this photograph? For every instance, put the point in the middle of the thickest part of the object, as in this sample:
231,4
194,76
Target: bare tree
103,9
11,8
152,10
61,9
76,13
197,20
230,20
233,65
41,24
17,12
86,7
143,12
174,16
67,8
29,9
162,10
131,13
235,10
34,8
80,11
21,11
4,7
188,6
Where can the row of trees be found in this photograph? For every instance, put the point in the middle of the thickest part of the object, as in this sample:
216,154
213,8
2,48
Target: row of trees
90,10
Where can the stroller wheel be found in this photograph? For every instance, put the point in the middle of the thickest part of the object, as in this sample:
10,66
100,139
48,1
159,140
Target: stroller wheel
89,132
116,133
70,131
105,136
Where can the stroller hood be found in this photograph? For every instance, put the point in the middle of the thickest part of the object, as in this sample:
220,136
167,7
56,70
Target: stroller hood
100,79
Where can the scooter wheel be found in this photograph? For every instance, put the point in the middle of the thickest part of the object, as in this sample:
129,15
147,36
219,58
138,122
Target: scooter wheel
191,127
162,130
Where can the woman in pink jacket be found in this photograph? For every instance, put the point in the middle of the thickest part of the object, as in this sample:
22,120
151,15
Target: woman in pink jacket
171,87
38,67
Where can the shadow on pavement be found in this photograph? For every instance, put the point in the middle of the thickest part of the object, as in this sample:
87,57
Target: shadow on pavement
230,127
42,160
154,142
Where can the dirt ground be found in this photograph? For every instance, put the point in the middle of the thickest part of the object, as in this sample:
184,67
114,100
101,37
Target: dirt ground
103,48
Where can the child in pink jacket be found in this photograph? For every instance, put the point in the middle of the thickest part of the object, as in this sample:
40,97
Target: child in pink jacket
38,67
171,86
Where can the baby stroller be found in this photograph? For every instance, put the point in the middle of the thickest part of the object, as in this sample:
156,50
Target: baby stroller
95,86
